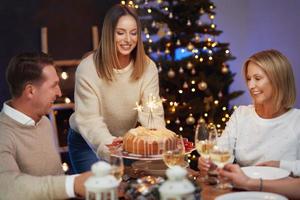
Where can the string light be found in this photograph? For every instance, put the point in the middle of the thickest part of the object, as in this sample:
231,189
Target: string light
67,100
149,10
65,167
64,75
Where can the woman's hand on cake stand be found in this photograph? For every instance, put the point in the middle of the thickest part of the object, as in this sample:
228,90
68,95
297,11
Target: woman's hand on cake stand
117,142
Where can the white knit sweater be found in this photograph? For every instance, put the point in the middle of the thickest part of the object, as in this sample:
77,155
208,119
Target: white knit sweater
104,109
257,139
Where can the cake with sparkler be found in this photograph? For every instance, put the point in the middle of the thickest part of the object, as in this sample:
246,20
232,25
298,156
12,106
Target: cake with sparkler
147,142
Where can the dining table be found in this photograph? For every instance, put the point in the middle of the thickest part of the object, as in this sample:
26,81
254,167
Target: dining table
208,191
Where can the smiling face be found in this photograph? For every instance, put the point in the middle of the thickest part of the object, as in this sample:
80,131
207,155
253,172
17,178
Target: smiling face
259,85
45,91
126,36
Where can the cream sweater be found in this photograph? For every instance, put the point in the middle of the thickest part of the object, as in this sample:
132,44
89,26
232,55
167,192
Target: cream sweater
30,166
257,140
104,110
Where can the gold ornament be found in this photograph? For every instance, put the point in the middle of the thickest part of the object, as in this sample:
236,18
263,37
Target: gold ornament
181,70
193,71
224,69
202,86
171,73
190,120
189,65
188,23
190,46
185,85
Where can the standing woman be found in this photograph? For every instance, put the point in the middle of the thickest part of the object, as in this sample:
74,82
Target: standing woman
268,132
108,85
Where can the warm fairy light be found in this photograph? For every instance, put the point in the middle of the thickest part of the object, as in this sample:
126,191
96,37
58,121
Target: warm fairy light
218,125
149,10
180,128
147,36
227,116
213,26
166,8
204,48
171,103
210,51
201,59
136,6
235,107
205,115
64,75
211,16
67,100
150,41
210,58
123,2
195,51
193,89
65,167
211,7
130,2
216,102
227,51
209,39
223,119
180,91
214,44
167,51
175,104
168,122
196,56
193,82
224,108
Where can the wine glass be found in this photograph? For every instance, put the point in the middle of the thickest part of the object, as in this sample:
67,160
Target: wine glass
205,139
176,156
220,155
117,167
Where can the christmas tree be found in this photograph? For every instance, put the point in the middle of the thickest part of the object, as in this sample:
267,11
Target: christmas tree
181,37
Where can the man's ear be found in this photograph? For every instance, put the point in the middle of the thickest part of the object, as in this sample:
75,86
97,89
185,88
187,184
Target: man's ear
29,91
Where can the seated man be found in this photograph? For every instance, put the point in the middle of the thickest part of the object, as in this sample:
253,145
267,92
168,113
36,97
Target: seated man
30,166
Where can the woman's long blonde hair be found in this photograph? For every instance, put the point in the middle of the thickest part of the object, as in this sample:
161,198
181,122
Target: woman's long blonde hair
105,57
280,73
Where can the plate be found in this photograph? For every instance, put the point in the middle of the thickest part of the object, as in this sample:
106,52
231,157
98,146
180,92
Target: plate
152,167
121,153
251,196
268,173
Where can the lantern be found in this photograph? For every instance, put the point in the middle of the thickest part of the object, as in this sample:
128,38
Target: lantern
101,186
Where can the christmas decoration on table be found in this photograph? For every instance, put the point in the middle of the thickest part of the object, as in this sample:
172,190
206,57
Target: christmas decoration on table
146,188
182,38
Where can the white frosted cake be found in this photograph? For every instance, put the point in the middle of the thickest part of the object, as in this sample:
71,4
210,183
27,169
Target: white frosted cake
143,141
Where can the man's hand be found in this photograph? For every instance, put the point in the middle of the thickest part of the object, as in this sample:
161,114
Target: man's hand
79,188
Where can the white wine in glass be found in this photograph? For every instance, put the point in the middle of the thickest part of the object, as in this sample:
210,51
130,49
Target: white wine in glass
172,157
117,167
220,155
205,137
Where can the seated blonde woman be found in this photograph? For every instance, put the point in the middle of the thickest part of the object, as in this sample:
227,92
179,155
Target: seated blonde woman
267,132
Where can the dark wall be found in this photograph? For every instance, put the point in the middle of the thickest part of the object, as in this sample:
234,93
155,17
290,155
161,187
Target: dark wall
69,25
